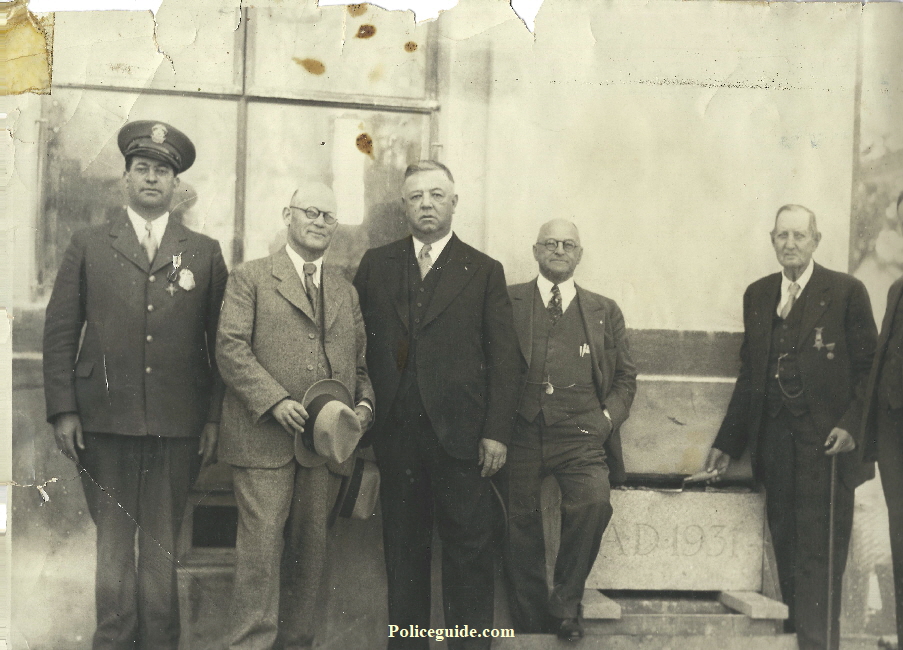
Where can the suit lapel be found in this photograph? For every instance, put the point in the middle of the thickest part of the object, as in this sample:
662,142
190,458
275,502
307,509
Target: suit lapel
817,301
590,312
455,275
889,312
522,306
126,242
172,244
400,258
291,287
766,311
333,298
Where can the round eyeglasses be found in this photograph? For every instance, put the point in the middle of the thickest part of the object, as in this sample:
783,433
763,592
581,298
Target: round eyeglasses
312,213
551,245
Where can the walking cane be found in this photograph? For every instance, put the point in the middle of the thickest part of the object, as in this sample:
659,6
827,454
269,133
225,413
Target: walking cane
830,626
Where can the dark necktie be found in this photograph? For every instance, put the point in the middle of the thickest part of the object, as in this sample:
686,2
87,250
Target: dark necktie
309,286
554,306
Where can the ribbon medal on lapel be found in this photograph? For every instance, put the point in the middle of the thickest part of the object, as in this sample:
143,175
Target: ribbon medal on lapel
184,277
830,347
819,342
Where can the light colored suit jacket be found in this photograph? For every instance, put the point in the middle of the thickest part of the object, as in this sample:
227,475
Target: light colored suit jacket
614,373
265,315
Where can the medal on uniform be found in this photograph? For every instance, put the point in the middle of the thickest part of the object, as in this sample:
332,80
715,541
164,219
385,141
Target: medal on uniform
174,274
819,342
830,347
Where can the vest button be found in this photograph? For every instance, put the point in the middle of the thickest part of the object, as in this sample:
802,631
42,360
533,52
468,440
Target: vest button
310,336
310,367
421,289
420,304
416,320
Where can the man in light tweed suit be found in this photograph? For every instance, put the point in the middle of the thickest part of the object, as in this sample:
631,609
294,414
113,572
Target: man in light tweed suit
287,322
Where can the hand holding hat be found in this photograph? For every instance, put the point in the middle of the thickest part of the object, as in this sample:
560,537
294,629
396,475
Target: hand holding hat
332,428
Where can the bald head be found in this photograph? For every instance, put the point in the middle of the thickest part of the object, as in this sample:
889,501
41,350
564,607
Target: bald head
307,218
557,250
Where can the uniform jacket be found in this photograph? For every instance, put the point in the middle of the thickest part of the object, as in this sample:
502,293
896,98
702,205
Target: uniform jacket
614,373
145,364
869,445
836,346
467,364
265,313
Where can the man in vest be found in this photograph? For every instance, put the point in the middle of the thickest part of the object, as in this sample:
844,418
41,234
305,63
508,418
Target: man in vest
444,364
808,343
288,321
131,391
883,425
578,392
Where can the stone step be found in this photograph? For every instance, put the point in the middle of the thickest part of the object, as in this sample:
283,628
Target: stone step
631,642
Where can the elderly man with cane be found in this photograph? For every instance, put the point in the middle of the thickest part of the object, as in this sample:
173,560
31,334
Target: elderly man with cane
808,343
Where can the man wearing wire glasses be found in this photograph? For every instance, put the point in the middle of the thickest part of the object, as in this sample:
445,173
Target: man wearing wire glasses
287,323
579,388
808,343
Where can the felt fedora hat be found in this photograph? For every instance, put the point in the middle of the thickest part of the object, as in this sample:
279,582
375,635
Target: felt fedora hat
332,429
359,492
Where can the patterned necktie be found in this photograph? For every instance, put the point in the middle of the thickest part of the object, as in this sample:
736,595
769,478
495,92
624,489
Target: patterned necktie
424,261
149,244
554,306
309,286
794,291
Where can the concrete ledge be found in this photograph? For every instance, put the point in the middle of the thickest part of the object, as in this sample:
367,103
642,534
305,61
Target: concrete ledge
754,605
597,605
630,642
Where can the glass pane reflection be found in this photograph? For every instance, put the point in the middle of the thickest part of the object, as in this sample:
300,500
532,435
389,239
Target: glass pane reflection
362,154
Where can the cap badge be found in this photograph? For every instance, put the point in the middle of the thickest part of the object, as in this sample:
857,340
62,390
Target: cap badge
158,133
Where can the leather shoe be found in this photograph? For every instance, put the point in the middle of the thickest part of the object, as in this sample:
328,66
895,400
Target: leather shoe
571,629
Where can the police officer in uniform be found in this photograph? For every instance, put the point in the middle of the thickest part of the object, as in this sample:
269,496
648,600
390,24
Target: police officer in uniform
131,383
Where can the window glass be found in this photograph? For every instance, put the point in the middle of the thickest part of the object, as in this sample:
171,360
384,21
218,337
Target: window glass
199,49
361,154
361,50
82,176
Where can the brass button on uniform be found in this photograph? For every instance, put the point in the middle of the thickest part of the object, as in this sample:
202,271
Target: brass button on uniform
152,278
310,336
147,370
150,308
310,367
150,339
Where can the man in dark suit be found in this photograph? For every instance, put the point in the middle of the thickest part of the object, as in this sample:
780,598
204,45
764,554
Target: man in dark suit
578,391
808,343
882,423
443,358
131,387
288,321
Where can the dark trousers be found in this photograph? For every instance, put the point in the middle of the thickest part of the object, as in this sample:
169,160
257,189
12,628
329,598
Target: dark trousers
890,464
280,553
420,481
796,474
137,484
572,452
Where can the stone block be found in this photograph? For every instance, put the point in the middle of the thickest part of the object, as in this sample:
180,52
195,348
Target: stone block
597,605
692,540
753,604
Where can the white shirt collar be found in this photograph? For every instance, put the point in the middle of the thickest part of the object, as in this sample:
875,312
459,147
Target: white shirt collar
567,288
436,248
158,225
786,282
299,263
